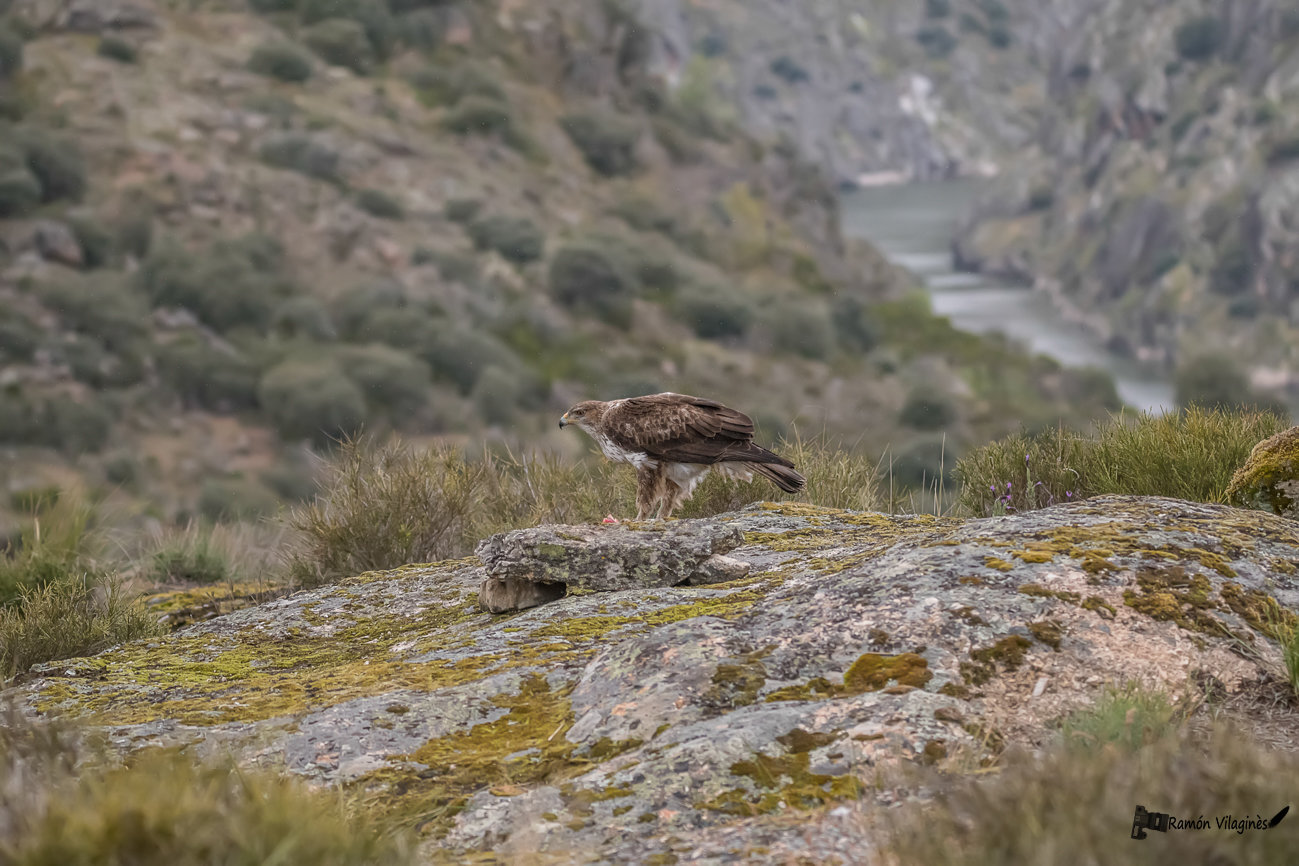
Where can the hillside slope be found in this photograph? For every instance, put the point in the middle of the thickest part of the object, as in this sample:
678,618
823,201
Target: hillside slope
230,230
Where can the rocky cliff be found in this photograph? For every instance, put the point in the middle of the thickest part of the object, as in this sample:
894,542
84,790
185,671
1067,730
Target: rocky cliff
694,721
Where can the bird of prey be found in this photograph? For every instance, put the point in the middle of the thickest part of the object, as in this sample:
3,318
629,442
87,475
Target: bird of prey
673,440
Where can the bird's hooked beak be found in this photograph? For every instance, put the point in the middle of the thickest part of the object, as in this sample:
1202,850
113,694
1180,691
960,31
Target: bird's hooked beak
563,421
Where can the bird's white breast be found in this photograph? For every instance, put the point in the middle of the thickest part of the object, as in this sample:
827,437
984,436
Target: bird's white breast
639,459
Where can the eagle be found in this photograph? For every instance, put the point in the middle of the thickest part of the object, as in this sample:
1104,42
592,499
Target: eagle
673,440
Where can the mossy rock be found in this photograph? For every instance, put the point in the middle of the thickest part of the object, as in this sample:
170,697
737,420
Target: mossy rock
1269,479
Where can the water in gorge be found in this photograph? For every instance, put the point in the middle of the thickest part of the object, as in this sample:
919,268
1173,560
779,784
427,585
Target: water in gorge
913,224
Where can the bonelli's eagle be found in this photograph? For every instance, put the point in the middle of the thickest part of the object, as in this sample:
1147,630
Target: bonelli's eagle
673,440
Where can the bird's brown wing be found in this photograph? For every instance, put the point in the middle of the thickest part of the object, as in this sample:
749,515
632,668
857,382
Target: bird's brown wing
684,429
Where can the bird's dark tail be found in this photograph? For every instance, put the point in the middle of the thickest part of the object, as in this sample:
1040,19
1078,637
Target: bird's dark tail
784,477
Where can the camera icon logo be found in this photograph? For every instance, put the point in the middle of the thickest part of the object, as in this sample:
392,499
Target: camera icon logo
1143,820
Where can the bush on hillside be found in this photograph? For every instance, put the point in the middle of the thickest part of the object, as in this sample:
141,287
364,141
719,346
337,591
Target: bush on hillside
103,308
714,311
117,48
282,60
1212,381
479,115
55,161
92,362
372,17
341,42
443,85
497,395
462,210
11,52
225,499
937,40
607,140
380,204
855,328
97,243
1185,455
356,305
392,380
208,378
517,239
76,426
927,408
801,328
315,401
20,190
233,282
303,154
1200,38
422,29
303,316
460,355
938,8
585,276
19,335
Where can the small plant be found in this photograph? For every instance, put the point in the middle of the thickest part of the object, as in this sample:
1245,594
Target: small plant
281,60
11,52
380,204
606,140
480,115
60,543
314,401
191,557
441,85
392,380
801,328
928,409
234,499
341,42
68,618
117,48
162,809
1129,716
206,377
303,154
587,276
237,281
714,311
462,210
517,239
937,40
56,163
1200,38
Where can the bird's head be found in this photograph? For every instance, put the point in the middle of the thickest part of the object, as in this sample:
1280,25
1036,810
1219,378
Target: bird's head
583,414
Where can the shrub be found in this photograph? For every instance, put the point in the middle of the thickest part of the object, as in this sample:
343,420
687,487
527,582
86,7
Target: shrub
585,276
462,210
714,312
517,239
380,204
606,140
281,60
380,508
190,556
11,52
341,42
1057,799
97,245
20,191
92,363
293,480
801,328
303,316
937,40
389,378
56,163
234,499
1186,455
441,85
356,305
928,409
67,619
788,70
60,545
161,808
1283,150
1212,381
372,17
104,308
19,335
76,426
923,462
206,377
854,326
270,7
498,394
424,29
303,154
312,401
117,48
480,115
938,8
460,355
1200,38
233,282
402,327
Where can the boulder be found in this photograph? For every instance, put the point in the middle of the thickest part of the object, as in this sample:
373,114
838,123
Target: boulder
1269,478
608,558
731,715
56,243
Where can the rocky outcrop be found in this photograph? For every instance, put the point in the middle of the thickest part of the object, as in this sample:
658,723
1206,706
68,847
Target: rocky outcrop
1269,479
608,558
691,721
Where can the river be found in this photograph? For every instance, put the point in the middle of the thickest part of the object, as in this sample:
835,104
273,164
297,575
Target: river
913,224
